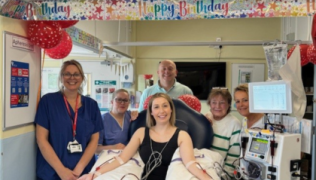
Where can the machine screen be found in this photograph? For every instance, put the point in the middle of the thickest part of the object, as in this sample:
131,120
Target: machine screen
259,146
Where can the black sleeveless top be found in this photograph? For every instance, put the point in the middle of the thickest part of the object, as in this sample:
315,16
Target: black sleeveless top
160,172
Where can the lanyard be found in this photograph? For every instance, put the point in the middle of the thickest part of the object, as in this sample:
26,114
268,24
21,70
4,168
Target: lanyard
74,120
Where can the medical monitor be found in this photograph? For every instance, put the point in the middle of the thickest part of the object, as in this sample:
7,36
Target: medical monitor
270,97
259,146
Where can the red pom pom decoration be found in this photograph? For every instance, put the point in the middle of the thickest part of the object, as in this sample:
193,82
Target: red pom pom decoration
148,76
44,34
191,101
147,101
303,52
63,49
311,54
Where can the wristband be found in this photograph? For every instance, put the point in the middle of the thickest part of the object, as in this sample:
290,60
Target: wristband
119,160
189,164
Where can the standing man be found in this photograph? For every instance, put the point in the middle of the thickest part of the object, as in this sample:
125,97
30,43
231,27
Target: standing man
167,72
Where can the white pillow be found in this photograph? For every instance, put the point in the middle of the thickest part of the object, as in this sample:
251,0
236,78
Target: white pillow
205,157
134,166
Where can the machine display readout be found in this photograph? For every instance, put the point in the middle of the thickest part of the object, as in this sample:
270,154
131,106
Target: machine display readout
258,146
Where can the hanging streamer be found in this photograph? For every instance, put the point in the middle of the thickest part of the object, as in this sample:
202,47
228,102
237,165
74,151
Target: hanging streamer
154,9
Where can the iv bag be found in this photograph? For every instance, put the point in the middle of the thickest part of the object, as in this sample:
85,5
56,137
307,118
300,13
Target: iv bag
276,56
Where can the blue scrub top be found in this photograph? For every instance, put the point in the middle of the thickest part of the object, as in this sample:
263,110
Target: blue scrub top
113,133
52,114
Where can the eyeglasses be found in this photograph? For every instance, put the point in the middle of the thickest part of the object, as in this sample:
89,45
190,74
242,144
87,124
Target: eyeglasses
221,103
118,100
220,88
68,75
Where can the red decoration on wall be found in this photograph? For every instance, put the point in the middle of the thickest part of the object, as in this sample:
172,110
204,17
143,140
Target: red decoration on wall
44,34
63,49
67,24
148,76
146,102
191,101
311,54
303,52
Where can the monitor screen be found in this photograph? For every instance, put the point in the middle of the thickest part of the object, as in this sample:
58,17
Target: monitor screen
270,97
258,146
200,77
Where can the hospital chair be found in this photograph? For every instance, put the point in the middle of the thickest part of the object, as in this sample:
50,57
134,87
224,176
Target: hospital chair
187,119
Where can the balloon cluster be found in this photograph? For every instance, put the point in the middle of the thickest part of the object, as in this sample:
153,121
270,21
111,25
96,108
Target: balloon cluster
51,36
303,52
192,101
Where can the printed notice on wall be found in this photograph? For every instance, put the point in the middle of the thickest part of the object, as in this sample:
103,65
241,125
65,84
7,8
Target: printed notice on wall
103,93
20,81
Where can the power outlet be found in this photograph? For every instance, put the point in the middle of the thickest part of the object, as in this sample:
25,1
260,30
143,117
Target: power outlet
218,40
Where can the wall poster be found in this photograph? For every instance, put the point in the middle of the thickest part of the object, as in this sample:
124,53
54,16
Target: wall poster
19,84
21,80
103,93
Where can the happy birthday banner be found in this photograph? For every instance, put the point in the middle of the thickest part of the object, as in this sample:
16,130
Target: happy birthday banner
154,9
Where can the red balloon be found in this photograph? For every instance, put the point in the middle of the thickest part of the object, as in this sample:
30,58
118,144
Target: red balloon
311,54
303,52
43,34
192,101
67,24
147,101
313,32
63,49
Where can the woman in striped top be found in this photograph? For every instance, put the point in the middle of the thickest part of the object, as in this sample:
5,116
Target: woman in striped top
225,126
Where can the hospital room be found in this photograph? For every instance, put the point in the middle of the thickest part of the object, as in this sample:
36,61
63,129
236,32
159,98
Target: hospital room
152,90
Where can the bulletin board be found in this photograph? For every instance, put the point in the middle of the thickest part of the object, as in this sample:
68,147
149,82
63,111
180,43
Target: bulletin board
246,73
21,79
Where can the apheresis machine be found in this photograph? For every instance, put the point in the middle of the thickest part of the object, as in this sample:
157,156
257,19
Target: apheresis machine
270,153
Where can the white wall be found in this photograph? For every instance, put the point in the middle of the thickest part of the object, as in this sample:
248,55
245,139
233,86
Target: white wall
297,28
111,31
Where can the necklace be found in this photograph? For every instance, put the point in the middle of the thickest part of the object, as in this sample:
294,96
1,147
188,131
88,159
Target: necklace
154,160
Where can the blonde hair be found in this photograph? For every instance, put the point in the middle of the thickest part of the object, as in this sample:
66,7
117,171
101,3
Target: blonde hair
150,121
63,67
224,93
242,87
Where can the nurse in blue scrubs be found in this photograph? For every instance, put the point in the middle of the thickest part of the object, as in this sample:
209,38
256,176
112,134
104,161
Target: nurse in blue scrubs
67,128
116,122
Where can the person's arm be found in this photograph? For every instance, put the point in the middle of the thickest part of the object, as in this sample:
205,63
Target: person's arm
233,151
87,154
209,118
50,155
116,146
187,155
129,151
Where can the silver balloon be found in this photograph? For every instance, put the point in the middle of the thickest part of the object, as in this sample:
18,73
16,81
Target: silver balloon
276,56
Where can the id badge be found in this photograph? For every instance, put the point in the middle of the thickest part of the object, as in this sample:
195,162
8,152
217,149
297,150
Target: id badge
74,147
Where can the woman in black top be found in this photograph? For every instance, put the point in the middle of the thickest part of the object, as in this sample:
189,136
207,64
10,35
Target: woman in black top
157,143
